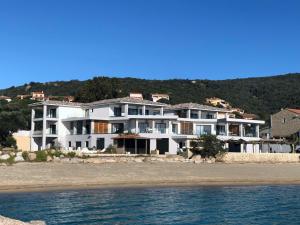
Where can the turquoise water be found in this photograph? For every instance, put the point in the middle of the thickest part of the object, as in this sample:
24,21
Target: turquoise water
178,205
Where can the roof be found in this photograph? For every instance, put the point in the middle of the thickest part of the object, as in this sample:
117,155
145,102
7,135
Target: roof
297,111
4,97
126,100
101,102
197,106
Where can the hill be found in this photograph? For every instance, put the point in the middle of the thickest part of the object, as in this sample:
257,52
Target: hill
262,96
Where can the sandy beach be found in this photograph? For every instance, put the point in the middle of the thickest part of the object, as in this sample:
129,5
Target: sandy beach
61,176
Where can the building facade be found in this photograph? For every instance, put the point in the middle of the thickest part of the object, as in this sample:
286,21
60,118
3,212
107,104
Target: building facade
285,123
137,126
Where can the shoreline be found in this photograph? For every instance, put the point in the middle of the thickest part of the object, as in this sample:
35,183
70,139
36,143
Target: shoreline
52,188
44,177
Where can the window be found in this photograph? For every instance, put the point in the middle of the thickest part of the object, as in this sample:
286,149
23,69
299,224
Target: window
174,128
160,127
194,114
52,129
143,127
117,128
79,126
203,129
72,127
52,113
117,111
186,127
70,144
88,127
147,111
283,120
87,144
221,130
78,144
100,127
132,111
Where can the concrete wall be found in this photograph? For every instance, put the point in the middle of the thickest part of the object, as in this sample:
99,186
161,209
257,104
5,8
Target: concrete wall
284,123
232,157
23,140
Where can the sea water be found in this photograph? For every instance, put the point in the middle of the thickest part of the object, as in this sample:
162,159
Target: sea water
168,205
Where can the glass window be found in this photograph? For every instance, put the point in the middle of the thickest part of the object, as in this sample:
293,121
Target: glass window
143,127
132,111
221,130
117,128
203,129
79,126
160,127
117,111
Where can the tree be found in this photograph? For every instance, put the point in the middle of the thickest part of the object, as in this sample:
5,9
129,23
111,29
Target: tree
207,146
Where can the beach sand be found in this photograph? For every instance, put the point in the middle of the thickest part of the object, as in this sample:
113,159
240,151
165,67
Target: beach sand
63,176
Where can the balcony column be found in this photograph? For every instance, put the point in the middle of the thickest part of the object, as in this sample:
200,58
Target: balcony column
144,110
227,129
241,130
44,127
199,114
153,126
126,110
136,126
188,114
257,130
169,127
161,111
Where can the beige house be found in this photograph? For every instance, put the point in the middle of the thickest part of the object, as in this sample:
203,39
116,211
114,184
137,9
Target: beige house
22,138
285,123
217,102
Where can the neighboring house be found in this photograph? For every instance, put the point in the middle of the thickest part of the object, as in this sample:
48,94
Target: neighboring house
217,102
137,126
21,97
285,123
38,95
156,97
22,138
6,98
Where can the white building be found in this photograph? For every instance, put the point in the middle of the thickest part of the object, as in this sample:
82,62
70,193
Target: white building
136,125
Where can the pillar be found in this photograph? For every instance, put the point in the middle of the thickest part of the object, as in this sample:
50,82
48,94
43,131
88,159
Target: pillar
44,127
126,110
257,130
136,126
161,111
227,129
144,110
241,130
188,114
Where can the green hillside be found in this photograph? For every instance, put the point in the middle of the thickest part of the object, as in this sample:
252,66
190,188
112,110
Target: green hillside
261,96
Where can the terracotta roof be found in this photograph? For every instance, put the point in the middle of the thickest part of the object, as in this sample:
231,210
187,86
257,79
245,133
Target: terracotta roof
297,111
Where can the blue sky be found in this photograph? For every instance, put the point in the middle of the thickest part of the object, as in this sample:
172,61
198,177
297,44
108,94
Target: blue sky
153,39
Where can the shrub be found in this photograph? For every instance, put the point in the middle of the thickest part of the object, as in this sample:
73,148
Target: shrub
208,146
41,156
56,153
71,154
25,156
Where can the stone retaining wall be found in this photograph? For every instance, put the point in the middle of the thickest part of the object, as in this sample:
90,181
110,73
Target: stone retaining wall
232,157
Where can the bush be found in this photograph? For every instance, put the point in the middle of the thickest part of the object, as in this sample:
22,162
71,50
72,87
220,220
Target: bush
208,146
25,156
56,153
71,154
9,161
41,156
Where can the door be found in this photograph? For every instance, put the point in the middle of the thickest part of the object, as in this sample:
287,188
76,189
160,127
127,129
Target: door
100,143
162,145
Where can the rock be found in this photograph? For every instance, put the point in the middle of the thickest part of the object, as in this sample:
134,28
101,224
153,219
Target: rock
12,154
5,157
19,158
19,154
8,221
49,158
138,160
0,152
31,156
61,156
37,222
56,159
